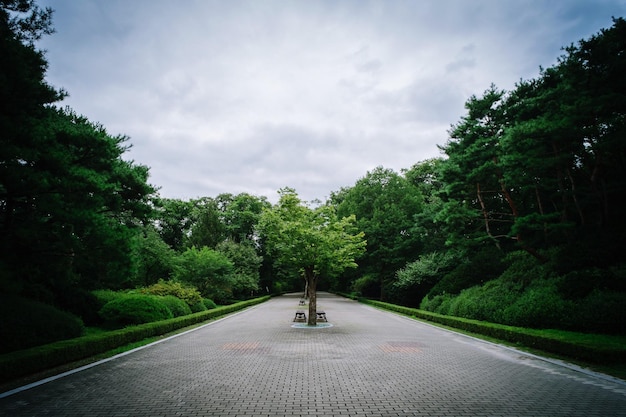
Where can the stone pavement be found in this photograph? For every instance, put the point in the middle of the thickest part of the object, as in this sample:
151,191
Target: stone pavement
369,363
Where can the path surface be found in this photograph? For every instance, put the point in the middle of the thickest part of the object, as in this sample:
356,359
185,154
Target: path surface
369,363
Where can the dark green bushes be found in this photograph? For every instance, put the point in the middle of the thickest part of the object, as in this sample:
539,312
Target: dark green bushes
538,304
209,304
135,309
26,323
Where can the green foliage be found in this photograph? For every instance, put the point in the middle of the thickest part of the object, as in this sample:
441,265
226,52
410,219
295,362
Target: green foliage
427,269
600,311
315,241
26,323
79,302
186,293
208,303
199,306
483,265
105,296
246,265
177,306
368,286
208,228
241,215
154,257
536,304
207,270
173,221
134,309
384,205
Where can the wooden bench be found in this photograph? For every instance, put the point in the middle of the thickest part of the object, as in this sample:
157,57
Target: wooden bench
321,316
302,302
300,316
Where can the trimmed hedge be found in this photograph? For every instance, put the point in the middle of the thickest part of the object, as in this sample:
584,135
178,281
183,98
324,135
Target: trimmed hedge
556,342
40,358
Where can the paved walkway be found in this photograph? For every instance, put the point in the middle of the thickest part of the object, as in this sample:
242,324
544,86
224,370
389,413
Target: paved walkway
369,363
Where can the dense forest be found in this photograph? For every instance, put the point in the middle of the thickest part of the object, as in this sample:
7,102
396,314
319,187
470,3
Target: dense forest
519,222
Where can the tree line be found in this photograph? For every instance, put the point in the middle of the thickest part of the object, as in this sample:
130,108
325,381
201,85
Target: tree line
518,222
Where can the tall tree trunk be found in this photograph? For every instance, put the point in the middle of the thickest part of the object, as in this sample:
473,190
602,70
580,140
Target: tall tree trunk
311,280
485,215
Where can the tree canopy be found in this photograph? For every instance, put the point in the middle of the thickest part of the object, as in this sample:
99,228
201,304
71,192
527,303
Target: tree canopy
312,240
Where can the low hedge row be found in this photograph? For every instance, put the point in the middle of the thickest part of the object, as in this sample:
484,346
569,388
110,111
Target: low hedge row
555,342
40,358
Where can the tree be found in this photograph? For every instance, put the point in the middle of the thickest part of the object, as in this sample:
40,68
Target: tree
384,204
173,222
241,215
68,202
314,241
246,264
155,258
206,269
207,227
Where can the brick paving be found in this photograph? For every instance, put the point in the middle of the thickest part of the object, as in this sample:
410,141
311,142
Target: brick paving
369,363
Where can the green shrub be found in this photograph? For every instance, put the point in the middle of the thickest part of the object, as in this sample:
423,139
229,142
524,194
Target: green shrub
134,309
177,306
105,296
79,302
209,304
539,306
186,293
26,323
198,307
367,285
601,311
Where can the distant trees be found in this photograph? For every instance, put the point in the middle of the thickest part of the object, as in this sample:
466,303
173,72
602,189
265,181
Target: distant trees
384,204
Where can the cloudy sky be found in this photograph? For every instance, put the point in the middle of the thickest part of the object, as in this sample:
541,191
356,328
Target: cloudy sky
251,96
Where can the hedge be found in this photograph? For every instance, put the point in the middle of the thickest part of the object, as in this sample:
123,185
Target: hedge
40,358
556,342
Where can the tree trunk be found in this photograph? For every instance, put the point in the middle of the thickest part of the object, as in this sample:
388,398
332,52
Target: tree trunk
311,280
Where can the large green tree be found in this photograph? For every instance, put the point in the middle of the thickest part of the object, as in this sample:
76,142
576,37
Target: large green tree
313,240
68,201
384,204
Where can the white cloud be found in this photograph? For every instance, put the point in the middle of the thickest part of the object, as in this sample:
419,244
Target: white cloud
251,96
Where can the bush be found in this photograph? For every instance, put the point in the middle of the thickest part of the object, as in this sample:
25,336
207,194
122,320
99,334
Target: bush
134,309
186,293
79,302
26,323
601,311
209,304
539,306
177,306
368,285
105,296
198,307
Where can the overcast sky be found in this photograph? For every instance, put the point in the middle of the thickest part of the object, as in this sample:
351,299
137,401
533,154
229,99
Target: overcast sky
251,96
